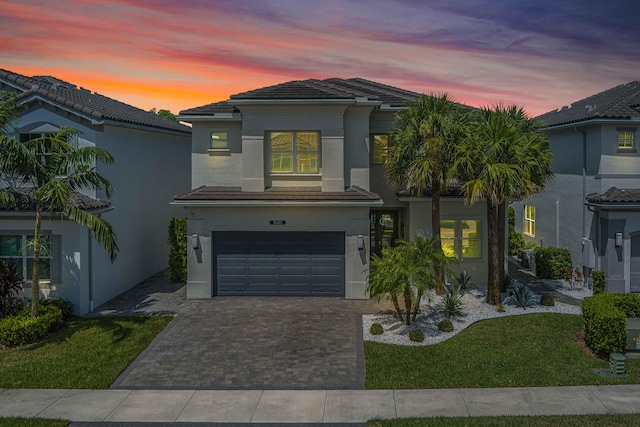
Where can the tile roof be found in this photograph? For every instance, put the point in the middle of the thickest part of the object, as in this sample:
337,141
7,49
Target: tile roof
620,102
216,107
333,88
205,193
78,200
84,101
616,195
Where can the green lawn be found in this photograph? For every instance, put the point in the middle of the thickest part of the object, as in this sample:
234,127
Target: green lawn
32,422
631,420
85,353
517,351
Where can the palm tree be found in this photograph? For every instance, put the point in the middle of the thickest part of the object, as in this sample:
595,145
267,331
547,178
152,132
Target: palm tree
504,156
406,271
421,157
52,168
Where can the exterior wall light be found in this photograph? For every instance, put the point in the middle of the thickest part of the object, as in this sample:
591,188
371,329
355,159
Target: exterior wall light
360,242
195,241
618,240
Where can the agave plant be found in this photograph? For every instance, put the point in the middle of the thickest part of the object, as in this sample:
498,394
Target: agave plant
10,284
452,301
463,279
522,296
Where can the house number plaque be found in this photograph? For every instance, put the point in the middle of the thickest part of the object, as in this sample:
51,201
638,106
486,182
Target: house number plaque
277,222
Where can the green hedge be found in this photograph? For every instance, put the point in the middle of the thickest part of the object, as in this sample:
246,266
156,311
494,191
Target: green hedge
178,253
23,329
604,318
599,281
552,263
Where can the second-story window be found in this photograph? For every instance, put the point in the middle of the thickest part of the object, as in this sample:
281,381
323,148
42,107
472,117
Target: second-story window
530,220
625,139
380,149
294,152
219,140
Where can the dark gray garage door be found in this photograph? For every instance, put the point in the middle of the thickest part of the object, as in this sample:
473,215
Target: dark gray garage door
287,263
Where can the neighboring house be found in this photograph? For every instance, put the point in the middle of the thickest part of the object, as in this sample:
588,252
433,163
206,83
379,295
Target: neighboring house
592,206
289,196
152,164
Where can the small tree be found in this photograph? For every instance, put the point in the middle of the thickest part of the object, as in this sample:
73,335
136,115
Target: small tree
53,168
406,271
178,253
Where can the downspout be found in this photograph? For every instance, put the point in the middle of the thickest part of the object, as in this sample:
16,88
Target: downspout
584,181
90,278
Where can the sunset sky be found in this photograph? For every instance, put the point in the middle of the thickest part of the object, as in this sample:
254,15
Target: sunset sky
540,54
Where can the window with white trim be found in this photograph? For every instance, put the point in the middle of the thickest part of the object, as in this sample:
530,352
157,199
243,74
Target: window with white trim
380,149
625,139
295,152
20,248
530,220
461,238
219,140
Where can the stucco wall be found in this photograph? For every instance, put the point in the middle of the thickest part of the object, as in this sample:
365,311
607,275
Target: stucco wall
150,168
353,221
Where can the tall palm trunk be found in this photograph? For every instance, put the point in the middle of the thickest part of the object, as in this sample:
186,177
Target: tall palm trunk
493,280
435,232
502,238
35,279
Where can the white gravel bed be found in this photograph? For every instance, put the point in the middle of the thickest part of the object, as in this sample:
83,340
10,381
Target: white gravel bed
474,307
578,292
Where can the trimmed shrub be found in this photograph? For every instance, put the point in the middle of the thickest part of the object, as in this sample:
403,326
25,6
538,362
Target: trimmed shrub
604,318
23,329
598,281
445,325
500,307
376,329
65,306
516,241
552,263
416,335
547,300
178,253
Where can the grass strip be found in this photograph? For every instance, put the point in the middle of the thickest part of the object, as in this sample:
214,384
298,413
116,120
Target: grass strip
32,422
617,420
86,353
534,350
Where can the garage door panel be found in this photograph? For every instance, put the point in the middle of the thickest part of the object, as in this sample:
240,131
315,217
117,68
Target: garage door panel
268,288
267,263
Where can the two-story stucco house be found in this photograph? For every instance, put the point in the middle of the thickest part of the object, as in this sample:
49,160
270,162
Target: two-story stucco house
289,197
152,164
592,206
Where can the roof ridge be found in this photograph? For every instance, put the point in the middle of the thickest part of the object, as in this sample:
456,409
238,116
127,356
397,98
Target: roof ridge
86,102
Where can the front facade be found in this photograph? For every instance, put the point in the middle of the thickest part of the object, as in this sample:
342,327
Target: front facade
289,197
145,147
592,206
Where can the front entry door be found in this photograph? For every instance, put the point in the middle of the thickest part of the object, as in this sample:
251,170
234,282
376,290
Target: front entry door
384,230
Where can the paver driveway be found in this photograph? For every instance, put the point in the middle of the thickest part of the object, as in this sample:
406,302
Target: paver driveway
247,342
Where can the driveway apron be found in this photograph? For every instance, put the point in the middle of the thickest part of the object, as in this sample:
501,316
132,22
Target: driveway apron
250,343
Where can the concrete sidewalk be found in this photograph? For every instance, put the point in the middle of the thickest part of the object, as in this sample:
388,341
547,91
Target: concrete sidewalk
311,406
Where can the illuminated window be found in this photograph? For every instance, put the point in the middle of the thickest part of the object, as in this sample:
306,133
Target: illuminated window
625,139
294,152
219,141
20,248
380,149
530,220
461,238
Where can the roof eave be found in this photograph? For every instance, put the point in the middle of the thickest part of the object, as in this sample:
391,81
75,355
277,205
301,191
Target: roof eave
254,203
302,101
593,121
227,117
